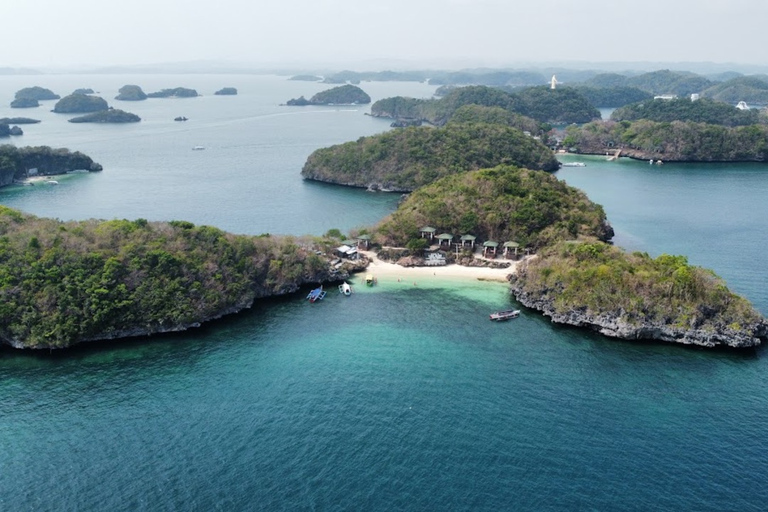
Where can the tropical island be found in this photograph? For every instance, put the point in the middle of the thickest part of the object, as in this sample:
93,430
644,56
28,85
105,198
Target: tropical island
130,93
79,104
404,160
25,103
18,120
36,93
176,92
65,283
17,164
111,115
342,95
226,91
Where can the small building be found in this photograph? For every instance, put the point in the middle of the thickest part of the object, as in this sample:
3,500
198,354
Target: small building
445,239
468,239
365,240
427,232
490,247
509,247
347,251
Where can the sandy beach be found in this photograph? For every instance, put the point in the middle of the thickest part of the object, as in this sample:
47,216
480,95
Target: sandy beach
383,270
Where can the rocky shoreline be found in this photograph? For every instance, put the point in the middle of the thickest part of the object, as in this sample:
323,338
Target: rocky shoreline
614,324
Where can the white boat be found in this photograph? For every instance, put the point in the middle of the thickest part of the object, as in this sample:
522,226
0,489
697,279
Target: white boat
198,148
574,164
501,316
51,182
345,288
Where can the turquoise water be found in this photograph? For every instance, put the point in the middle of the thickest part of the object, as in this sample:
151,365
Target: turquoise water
399,397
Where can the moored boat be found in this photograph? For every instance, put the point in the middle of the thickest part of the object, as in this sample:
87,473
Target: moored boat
345,288
316,294
370,280
500,316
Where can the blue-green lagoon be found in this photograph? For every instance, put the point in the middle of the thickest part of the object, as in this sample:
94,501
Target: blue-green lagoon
399,397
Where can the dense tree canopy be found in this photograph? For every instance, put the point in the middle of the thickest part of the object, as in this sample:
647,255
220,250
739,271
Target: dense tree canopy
683,109
404,160
532,208
80,104
65,282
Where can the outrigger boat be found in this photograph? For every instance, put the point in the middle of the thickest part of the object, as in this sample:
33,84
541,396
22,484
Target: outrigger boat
500,316
345,288
316,294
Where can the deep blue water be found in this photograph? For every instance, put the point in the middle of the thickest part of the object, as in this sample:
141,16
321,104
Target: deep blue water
399,397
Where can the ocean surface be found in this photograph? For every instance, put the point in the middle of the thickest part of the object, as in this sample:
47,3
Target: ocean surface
399,397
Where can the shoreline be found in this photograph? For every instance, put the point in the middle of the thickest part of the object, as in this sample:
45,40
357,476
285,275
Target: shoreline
384,270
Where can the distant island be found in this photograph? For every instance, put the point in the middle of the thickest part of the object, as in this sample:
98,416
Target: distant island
36,93
306,78
25,103
178,92
83,90
79,104
226,91
342,95
111,115
7,130
21,163
18,120
131,93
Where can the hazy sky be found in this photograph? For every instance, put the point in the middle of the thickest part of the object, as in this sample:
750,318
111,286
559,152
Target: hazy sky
428,33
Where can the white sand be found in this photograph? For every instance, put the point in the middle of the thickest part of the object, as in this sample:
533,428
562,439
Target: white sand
383,270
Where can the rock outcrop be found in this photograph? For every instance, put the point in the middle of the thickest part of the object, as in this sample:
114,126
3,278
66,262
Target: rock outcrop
131,93
113,115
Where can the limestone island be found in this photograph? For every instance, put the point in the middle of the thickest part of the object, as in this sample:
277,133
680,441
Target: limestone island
111,115
306,78
25,103
20,164
131,93
342,95
18,120
178,92
6,130
103,280
226,91
36,93
83,90
404,160
80,104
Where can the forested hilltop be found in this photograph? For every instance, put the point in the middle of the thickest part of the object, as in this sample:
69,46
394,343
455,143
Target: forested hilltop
545,105
683,109
506,203
671,142
404,160
63,283
15,163
634,296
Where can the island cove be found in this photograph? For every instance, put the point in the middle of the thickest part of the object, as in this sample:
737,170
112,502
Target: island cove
97,280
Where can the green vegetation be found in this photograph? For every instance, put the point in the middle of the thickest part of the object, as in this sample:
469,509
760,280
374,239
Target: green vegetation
532,208
675,141
635,289
83,90
36,93
177,92
497,115
612,97
545,105
226,91
342,95
656,82
14,162
683,109
107,116
66,282
131,93
80,103
752,89
404,160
